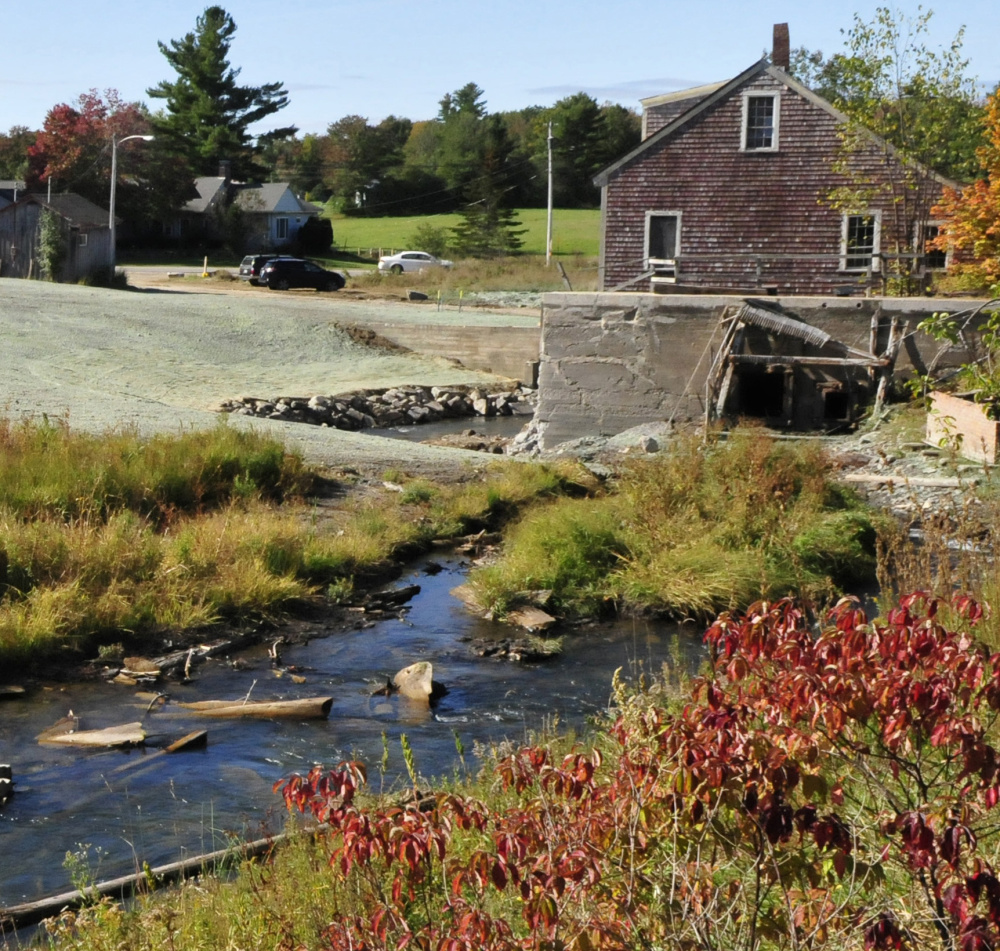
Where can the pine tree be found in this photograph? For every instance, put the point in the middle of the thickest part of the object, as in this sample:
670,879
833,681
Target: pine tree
208,113
489,226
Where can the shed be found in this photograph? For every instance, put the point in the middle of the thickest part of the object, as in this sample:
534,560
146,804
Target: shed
85,230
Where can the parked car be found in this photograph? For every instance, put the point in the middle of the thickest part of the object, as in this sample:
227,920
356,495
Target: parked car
410,261
251,265
279,274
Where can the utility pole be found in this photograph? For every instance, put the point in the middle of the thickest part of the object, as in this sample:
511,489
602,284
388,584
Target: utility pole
548,221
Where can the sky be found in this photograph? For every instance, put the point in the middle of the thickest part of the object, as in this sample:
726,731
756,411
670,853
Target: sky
399,57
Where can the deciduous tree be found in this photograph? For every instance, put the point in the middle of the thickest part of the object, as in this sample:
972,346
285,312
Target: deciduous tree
972,215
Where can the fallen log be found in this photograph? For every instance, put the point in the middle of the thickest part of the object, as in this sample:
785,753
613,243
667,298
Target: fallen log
11,692
30,913
943,482
128,734
190,741
314,708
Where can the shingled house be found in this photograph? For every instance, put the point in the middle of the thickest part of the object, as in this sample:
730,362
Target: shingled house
730,190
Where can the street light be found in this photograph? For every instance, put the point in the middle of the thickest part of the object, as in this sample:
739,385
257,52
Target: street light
114,181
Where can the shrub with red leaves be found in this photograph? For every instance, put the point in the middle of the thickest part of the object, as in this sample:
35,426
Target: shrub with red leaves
817,787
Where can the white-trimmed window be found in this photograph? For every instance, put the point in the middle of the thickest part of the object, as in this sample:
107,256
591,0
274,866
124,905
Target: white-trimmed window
761,115
81,239
663,235
281,228
860,238
934,260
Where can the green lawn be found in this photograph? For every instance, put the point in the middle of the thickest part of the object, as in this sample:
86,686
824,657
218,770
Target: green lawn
574,231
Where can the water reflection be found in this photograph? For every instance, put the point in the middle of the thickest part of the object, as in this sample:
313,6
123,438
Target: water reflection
135,807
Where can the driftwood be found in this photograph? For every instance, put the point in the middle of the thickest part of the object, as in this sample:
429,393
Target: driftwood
189,741
944,482
314,708
30,913
11,693
128,734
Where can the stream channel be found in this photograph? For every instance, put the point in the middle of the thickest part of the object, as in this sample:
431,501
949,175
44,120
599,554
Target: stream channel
126,811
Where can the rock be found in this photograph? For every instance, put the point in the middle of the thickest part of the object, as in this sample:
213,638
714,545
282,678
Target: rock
416,295
531,619
415,682
649,444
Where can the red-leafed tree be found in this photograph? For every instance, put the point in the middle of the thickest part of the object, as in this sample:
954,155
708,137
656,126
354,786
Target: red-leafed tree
818,789
73,151
972,215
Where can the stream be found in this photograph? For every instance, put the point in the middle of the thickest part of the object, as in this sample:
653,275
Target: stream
126,808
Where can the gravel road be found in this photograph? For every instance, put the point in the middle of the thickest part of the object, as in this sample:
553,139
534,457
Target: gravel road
162,360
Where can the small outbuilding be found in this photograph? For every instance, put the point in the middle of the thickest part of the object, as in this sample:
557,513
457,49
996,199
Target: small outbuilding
84,237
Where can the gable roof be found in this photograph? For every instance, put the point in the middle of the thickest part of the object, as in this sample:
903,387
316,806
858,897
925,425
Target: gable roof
258,199
77,210
270,197
209,188
723,91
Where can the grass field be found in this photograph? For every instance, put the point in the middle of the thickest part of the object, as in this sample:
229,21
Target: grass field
574,231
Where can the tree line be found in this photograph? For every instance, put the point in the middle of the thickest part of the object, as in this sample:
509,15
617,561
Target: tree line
464,159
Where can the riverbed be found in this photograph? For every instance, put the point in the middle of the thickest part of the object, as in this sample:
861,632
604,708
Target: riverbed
126,808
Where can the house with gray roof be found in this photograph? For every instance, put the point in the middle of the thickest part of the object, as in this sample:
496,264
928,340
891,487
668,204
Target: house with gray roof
274,213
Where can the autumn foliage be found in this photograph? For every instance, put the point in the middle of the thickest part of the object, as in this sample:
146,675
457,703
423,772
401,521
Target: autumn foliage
972,215
831,788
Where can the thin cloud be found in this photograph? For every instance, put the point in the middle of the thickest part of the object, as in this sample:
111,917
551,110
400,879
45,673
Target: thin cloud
630,90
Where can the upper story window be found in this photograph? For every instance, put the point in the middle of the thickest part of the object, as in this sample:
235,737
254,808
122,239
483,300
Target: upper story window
761,112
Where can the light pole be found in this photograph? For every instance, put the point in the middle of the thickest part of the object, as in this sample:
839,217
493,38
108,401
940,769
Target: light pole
114,181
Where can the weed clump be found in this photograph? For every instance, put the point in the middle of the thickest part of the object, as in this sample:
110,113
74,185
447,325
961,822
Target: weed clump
704,528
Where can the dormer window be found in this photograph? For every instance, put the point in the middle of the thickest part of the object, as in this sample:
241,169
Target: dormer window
760,122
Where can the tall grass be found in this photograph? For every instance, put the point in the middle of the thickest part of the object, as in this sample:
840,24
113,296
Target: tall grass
706,527
116,538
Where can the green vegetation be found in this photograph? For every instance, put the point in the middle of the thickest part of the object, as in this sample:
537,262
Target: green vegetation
117,538
703,529
574,231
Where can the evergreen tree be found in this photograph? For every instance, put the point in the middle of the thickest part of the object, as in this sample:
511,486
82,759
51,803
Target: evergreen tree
489,225
208,114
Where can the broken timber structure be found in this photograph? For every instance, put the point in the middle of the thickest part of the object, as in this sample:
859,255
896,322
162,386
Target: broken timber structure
777,368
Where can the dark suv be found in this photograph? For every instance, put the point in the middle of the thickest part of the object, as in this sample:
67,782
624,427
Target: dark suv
251,265
279,274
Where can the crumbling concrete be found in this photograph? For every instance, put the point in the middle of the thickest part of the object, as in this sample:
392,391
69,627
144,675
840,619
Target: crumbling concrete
612,361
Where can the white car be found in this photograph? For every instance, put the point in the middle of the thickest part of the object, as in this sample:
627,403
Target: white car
410,261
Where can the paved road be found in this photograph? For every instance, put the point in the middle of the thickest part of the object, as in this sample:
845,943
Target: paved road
160,360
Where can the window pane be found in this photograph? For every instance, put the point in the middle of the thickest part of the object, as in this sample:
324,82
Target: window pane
760,122
860,241
663,236
934,259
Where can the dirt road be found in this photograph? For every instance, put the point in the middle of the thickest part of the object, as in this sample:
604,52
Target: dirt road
160,360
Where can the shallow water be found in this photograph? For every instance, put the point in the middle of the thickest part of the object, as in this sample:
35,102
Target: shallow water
129,808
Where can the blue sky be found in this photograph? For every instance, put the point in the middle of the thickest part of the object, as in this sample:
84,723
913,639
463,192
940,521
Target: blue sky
380,57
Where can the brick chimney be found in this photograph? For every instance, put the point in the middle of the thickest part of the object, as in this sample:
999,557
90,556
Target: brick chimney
780,50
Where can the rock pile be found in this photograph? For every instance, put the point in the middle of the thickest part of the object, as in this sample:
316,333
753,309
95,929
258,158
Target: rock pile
395,406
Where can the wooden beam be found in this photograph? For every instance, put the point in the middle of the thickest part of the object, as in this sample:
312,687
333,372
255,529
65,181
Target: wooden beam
792,360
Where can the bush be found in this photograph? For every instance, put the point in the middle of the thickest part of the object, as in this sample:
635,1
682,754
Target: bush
315,237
